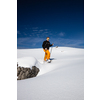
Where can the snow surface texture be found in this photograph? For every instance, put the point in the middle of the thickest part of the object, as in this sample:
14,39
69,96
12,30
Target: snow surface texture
62,79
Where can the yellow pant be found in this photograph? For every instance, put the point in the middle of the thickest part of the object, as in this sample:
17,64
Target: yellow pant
47,54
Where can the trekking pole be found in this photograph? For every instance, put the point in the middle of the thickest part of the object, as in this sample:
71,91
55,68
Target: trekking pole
51,50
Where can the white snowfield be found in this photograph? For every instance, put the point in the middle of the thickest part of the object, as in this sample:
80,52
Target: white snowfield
62,79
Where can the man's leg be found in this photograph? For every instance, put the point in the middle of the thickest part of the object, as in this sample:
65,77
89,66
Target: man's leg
45,57
48,54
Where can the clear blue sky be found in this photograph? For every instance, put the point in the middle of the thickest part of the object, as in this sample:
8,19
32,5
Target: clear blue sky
61,20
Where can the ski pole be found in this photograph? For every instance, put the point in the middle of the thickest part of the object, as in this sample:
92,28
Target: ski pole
51,50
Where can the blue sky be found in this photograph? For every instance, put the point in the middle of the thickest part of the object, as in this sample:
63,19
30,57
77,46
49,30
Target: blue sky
61,20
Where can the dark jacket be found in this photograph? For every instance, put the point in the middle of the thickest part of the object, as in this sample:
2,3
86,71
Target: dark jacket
46,44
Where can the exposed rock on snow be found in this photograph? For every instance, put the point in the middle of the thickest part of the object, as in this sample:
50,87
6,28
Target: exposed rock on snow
24,73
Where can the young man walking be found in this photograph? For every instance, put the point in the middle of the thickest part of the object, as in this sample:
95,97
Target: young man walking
46,44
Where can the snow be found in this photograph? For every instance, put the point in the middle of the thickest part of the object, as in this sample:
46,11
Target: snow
62,79
27,62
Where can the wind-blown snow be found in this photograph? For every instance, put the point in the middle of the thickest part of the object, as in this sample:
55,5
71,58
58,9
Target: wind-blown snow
62,79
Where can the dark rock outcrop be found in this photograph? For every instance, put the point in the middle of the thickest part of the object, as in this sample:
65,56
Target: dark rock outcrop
24,73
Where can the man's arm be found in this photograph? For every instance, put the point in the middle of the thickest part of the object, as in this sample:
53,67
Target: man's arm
51,45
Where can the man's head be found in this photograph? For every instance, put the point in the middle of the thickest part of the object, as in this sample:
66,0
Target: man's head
47,38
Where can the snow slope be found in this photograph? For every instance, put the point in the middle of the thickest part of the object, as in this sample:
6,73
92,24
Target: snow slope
62,79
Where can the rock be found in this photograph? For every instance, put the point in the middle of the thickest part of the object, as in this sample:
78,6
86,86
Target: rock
33,67
32,75
22,68
19,69
25,69
35,73
23,76
27,72
19,78
17,64
24,73
18,73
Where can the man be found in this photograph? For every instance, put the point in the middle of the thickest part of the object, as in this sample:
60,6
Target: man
46,44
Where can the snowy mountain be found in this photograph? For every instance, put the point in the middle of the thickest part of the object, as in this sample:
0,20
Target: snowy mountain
62,79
